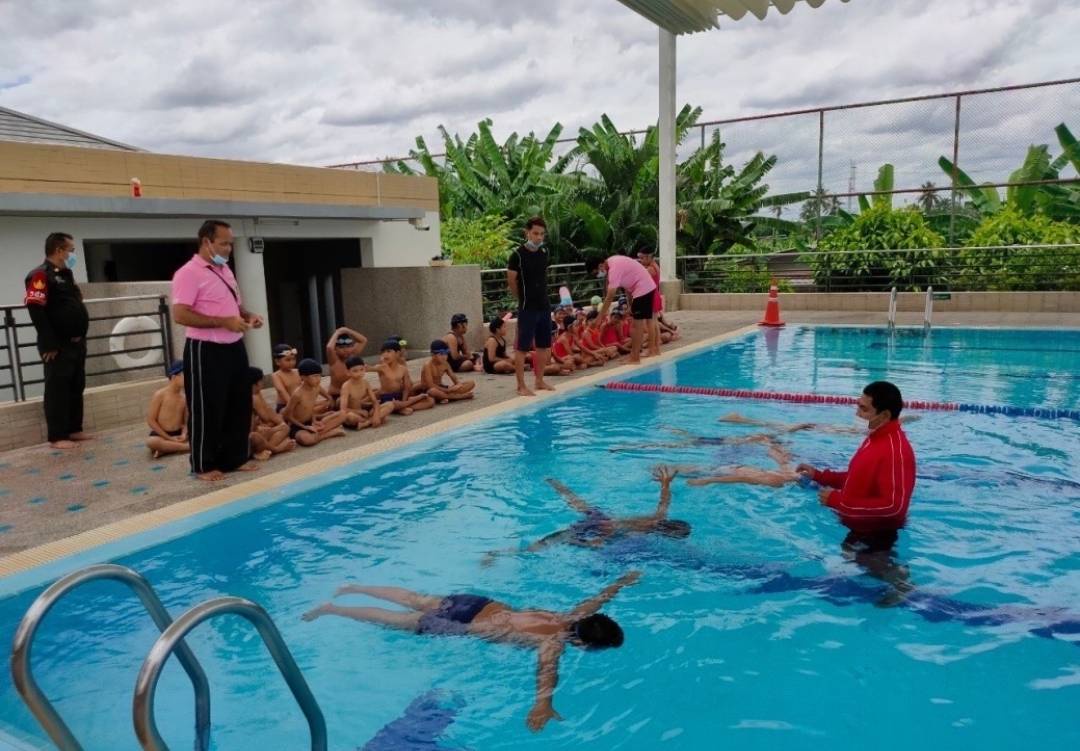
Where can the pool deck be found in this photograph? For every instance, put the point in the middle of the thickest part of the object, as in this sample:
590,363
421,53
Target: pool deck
53,503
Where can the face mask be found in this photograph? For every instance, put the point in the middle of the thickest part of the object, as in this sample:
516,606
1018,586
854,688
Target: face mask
219,260
601,275
71,261
533,246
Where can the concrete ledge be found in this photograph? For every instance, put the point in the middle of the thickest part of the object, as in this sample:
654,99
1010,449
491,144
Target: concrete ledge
104,407
1005,302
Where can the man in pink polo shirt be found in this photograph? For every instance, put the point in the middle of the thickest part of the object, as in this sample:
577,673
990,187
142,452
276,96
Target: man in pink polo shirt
634,279
206,301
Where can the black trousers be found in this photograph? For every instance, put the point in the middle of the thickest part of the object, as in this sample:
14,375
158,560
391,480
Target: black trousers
219,405
65,379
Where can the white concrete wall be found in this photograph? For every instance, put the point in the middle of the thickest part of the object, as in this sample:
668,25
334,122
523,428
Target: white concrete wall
384,244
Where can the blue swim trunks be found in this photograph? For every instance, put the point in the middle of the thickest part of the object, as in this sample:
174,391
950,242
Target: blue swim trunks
453,615
590,527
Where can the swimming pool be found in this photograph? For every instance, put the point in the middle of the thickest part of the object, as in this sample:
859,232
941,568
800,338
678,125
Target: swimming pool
753,633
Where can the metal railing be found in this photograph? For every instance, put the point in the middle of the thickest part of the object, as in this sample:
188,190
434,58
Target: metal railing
21,364
497,298
991,268
172,638
836,150
35,699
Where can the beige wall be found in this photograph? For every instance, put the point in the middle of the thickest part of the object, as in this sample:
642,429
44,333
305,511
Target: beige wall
414,302
67,170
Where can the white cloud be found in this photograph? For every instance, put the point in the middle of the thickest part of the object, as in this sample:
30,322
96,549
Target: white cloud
318,82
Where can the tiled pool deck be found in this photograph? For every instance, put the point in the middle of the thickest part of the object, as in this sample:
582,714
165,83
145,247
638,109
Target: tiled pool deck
53,503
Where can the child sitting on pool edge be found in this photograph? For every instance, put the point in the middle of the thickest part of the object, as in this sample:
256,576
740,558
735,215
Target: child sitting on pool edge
358,402
395,386
269,432
304,425
438,367
167,416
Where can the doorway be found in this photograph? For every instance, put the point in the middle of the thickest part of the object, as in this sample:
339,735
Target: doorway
303,289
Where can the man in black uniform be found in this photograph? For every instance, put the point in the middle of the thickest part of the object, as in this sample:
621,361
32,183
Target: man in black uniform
526,275
61,320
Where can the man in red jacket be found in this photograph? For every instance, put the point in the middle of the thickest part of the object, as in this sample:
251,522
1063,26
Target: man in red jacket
872,496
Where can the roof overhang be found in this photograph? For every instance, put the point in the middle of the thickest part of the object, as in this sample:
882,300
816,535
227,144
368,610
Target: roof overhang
688,16
43,204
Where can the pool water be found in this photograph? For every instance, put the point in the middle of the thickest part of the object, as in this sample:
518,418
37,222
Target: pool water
752,633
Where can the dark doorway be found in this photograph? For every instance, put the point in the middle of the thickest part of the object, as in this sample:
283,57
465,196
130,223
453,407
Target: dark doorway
303,289
136,260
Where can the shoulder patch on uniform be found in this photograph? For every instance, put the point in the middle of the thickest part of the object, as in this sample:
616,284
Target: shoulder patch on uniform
37,287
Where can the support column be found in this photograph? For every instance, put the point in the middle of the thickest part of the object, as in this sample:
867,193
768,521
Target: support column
315,327
666,227
250,275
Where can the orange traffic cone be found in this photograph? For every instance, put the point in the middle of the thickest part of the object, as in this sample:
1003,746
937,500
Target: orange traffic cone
772,308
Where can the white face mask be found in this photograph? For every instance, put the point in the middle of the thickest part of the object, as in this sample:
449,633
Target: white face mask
533,246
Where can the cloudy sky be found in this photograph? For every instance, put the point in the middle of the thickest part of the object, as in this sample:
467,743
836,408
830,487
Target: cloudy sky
328,81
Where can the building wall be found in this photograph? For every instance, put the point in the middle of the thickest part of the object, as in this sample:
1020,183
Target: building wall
67,170
415,303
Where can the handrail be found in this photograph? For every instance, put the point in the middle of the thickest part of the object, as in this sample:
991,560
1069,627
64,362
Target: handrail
892,308
816,251
928,307
172,637
95,300
32,695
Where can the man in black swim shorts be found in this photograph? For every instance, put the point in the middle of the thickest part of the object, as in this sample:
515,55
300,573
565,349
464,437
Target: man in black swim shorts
545,631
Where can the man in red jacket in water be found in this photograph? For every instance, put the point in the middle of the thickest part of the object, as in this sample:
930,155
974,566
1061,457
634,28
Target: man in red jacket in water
872,496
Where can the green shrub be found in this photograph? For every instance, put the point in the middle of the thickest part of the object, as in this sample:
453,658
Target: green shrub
485,240
720,274
876,229
989,265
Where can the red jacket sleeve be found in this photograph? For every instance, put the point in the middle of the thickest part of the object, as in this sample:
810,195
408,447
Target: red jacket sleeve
830,478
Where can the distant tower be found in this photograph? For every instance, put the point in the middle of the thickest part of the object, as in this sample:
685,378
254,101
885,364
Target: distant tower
851,185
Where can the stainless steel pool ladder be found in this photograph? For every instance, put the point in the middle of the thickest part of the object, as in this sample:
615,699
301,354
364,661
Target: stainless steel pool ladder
928,308
32,695
172,639
892,308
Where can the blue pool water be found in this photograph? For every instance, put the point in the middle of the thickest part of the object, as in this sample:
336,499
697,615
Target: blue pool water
754,633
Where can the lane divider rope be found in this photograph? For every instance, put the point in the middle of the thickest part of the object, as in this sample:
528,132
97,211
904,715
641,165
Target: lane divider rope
804,398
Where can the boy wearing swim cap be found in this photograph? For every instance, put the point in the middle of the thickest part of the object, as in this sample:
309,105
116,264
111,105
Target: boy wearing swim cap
167,416
358,402
269,433
342,344
304,425
395,385
431,376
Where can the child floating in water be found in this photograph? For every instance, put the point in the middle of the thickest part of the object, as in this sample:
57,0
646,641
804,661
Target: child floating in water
474,615
167,416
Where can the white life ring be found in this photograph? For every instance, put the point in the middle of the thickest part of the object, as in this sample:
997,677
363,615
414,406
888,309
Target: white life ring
135,325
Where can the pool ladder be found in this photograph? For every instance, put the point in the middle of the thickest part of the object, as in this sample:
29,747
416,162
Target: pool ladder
170,641
928,308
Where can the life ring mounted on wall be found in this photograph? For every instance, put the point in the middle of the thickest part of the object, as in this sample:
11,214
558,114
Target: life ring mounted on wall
135,325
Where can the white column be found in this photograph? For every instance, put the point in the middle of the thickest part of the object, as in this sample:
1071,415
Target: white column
252,281
667,157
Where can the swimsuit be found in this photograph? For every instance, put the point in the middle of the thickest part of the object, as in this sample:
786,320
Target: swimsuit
170,433
590,527
390,397
453,615
294,429
500,352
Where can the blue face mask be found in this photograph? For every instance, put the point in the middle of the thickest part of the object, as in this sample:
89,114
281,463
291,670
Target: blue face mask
533,246
71,261
601,275
219,260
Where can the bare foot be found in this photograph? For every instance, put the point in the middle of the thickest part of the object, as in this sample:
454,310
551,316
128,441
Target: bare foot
155,454
263,455
444,401
525,391
316,612
214,475
247,467
633,361
81,436
62,444
407,411
543,386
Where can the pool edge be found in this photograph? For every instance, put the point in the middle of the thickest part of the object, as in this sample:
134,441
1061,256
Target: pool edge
25,561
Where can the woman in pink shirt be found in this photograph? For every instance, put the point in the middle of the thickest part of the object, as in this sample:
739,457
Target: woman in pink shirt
626,273
206,301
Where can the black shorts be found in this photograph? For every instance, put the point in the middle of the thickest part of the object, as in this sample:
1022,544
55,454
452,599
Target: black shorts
880,541
641,307
533,327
